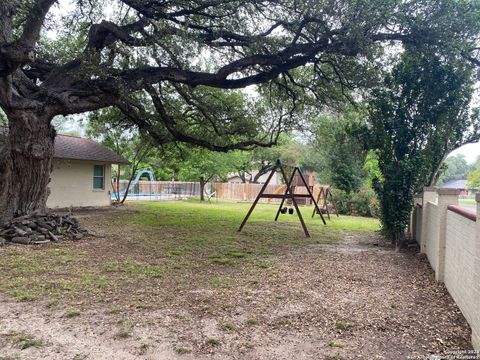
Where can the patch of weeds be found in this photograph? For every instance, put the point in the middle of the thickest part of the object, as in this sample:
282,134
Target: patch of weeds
253,282
51,304
341,325
24,295
284,322
182,350
143,306
135,269
176,252
124,333
184,316
25,341
207,310
252,322
114,311
228,306
150,271
228,326
219,283
336,344
72,314
125,330
236,254
213,342
266,264
143,349
93,281
222,261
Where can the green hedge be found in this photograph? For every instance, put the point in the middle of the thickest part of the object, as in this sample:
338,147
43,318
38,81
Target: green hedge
362,203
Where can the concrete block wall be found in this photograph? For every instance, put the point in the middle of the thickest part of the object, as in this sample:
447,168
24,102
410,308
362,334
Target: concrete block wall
450,237
431,234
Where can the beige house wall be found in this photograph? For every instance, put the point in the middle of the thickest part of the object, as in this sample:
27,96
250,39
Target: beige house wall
72,184
451,241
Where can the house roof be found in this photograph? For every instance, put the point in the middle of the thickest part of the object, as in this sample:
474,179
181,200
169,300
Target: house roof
76,148
455,184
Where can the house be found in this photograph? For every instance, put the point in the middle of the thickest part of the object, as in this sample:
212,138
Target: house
458,185
82,172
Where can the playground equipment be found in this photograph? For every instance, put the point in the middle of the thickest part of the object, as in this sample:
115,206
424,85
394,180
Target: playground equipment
325,198
140,173
136,179
298,187
288,194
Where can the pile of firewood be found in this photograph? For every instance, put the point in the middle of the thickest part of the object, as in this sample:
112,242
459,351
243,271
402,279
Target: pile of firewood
41,229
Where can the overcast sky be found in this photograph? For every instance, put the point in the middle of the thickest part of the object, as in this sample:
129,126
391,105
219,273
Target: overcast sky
471,152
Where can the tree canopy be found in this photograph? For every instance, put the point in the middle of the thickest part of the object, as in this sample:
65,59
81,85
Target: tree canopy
161,63
454,168
421,114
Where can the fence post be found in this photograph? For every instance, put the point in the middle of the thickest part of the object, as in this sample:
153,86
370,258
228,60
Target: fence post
445,197
429,195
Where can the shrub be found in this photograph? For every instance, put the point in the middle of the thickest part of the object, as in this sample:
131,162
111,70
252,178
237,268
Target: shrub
362,203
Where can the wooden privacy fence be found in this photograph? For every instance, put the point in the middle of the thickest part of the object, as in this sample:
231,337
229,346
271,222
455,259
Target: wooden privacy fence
166,190
239,191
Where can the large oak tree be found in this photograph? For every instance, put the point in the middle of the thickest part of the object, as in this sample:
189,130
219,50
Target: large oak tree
163,63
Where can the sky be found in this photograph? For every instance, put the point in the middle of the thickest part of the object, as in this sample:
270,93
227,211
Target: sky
471,152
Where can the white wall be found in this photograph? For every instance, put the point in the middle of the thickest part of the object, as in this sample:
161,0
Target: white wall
72,184
451,241
432,229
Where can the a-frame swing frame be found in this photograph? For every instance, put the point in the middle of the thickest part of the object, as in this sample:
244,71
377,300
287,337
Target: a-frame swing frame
288,194
324,193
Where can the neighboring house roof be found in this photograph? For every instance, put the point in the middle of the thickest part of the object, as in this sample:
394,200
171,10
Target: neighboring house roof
76,148
455,184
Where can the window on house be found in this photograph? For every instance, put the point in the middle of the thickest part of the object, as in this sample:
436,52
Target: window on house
98,177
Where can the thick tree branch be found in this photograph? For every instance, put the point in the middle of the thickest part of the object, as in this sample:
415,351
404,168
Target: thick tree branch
34,22
22,51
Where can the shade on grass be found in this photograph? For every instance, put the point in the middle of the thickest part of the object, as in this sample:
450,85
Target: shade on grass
152,245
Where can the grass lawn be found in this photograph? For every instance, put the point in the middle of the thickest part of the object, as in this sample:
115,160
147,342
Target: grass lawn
158,242
467,201
175,280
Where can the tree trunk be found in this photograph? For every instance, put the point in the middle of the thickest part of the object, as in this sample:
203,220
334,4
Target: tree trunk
202,189
25,164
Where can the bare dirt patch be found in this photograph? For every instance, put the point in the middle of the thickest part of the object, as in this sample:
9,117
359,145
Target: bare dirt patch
146,293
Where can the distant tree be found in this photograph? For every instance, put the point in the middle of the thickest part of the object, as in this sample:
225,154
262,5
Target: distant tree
454,168
63,126
198,164
371,168
341,152
252,165
420,116
474,178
